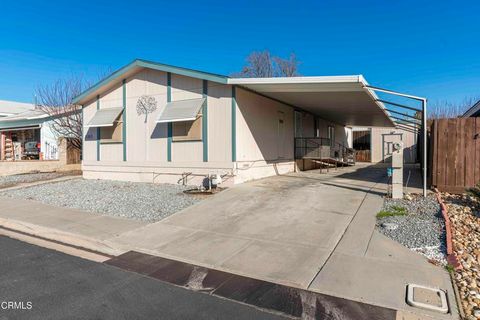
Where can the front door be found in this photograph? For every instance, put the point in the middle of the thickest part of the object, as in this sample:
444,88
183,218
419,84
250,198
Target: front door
281,135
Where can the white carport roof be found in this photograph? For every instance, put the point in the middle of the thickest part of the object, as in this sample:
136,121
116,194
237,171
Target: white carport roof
341,99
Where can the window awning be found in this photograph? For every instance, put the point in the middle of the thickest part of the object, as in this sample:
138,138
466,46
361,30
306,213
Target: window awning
181,110
104,117
20,128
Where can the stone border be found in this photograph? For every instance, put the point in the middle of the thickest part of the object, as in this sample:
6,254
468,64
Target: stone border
451,256
40,182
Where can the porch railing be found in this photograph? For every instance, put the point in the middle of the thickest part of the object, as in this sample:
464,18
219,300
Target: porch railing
323,148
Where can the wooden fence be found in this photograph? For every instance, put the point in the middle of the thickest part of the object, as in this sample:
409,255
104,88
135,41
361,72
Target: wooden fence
455,154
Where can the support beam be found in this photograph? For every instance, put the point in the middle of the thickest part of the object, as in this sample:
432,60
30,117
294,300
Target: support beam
395,93
398,105
402,114
408,129
424,127
409,121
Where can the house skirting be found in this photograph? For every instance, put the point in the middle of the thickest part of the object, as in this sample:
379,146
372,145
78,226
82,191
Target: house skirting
189,173
252,170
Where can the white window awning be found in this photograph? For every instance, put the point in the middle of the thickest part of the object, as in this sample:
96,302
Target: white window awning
181,110
104,117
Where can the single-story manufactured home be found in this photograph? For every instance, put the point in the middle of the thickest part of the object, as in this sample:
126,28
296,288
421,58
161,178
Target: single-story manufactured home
153,122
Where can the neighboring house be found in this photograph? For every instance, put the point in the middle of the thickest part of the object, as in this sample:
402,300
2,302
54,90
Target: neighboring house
376,144
153,122
10,108
25,133
474,111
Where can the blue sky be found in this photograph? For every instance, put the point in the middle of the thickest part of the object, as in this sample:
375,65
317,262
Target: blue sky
424,48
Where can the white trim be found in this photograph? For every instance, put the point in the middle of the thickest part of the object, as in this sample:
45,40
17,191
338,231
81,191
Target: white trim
176,120
298,80
38,126
99,125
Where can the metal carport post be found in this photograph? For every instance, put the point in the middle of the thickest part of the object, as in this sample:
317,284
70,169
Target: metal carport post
424,124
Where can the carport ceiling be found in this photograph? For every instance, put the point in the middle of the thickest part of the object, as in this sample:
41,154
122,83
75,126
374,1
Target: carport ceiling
340,99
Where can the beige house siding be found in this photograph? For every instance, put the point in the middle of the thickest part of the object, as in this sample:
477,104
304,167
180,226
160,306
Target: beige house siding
408,138
146,141
259,152
219,122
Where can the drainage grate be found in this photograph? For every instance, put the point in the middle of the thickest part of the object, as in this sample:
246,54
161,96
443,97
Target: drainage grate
427,298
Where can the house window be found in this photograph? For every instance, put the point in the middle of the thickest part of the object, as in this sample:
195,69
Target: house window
298,124
187,130
331,135
317,127
112,133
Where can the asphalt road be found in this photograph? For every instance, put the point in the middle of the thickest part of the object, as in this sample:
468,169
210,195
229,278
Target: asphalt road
38,283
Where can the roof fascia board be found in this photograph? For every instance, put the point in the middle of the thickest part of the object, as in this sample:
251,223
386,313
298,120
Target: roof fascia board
20,123
138,63
183,71
296,80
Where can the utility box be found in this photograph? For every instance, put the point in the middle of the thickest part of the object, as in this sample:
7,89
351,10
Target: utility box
397,170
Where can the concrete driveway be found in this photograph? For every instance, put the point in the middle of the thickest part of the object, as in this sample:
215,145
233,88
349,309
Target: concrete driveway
281,229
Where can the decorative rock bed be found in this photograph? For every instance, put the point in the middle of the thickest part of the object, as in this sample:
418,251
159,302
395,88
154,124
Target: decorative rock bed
464,214
419,225
141,201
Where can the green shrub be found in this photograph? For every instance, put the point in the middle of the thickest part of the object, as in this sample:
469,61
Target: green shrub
392,211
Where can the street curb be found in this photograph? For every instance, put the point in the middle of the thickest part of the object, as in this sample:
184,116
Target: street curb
61,237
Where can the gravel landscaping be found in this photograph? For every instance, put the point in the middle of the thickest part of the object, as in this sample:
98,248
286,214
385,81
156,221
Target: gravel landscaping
140,201
419,226
10,181
464,214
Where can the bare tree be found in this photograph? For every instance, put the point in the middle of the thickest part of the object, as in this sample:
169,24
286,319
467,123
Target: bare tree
55,100
263,65
446,109
287,67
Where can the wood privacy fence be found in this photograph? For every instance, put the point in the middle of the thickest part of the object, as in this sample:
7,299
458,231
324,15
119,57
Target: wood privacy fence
455,154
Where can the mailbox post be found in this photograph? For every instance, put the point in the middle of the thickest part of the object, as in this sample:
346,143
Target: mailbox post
397,170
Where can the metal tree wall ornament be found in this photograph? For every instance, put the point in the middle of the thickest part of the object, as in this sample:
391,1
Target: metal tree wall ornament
145,105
